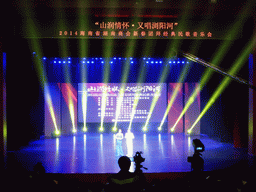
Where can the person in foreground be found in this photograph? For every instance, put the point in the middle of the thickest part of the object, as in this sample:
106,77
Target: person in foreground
125,180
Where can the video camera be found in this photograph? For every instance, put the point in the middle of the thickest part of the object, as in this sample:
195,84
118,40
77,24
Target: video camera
138,159
197,162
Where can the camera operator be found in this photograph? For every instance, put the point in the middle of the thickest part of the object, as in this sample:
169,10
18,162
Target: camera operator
125,180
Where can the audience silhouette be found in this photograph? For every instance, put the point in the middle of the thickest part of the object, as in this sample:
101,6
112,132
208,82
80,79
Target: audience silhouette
125,180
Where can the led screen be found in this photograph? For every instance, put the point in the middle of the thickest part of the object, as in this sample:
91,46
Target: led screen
97,99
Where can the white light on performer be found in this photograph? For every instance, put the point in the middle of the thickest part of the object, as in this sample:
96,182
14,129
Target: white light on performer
129,136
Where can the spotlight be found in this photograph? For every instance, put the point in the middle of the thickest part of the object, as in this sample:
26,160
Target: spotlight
74,131
101,129
159,128
189,131
56,133
84,129
172,130
145,129
114,129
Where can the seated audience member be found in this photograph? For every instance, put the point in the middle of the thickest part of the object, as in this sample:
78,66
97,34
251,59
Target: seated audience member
125,180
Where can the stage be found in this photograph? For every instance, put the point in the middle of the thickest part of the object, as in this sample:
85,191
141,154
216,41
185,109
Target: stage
96,153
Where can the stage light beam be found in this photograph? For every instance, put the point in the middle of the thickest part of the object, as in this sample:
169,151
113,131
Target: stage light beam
236,67
51,109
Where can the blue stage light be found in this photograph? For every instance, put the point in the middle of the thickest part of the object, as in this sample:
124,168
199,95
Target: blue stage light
119,58
131,58
69,58
92,62
183,62
59,61
54,61
156,61
170,62
44,58
102,61
69,62
88,61
144,58
178,62
64,62
174,61
160,62
152,61
147,62
115,58
131,61
96,58
83,61
111,62
84,58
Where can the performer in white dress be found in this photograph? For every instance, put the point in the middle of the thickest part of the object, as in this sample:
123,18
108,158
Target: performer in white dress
129,136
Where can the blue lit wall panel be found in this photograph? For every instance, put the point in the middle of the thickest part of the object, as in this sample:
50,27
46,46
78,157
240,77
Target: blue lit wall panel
194,110
55,96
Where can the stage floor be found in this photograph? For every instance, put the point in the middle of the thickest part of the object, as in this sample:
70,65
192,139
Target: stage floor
96,153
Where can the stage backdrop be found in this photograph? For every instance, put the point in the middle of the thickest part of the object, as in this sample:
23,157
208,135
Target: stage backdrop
67,105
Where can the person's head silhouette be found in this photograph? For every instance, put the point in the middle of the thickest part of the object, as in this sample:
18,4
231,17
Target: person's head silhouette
124,163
